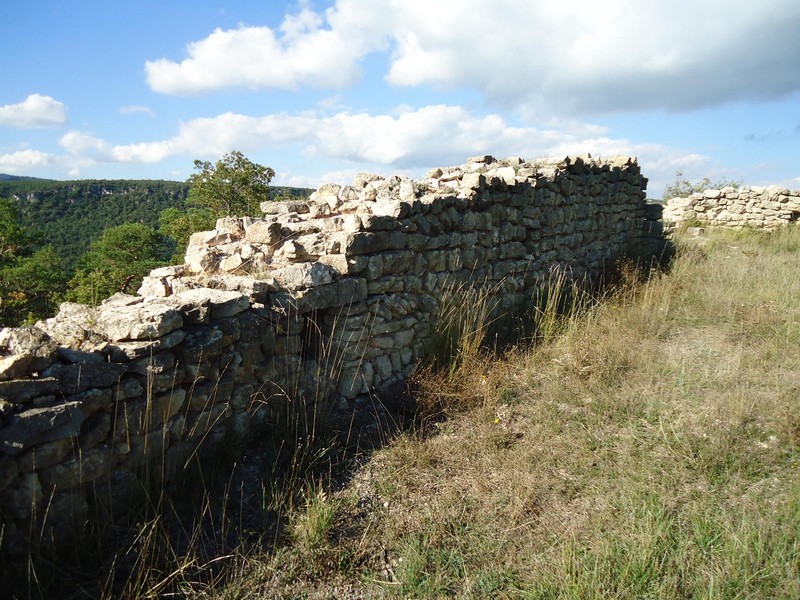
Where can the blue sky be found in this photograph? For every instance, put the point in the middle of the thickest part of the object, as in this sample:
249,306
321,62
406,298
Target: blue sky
321,90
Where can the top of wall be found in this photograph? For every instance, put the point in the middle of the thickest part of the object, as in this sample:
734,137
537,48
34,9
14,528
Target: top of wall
329,227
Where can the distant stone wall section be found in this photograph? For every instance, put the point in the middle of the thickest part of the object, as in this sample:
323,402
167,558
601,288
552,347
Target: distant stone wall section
752,206
331,298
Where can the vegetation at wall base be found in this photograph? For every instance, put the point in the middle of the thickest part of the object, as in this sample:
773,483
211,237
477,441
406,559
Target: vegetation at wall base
647,447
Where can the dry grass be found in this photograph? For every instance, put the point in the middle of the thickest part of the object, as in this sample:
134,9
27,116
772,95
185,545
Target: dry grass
647,447
650,449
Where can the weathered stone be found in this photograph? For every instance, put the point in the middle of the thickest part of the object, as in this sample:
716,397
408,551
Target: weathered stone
155,287
91,465
364,242
262,232
93,400
125,351
304,275
22,391
25,350
128,387
141,321
23,497
272,207
200,423
222,303
170,403
231,263
82,376
39,425
202,344
9,469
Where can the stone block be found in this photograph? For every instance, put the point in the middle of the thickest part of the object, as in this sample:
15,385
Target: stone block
87,466
39,425
24,497
125,351
22,391
364,242
222,303
142,321
25,350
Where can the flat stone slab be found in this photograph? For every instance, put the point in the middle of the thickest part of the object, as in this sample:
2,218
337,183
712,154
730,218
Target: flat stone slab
39,425
140,321
221,302
21,391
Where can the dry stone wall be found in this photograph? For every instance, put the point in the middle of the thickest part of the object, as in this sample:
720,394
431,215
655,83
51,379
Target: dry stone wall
753,206
331,298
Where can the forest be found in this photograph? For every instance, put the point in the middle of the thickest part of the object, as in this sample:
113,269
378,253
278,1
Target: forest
85,240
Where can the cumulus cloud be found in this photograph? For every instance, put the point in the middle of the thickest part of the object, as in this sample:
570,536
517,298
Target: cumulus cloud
302,53
78,143
24,160
589,56
34,112
411,139
583,56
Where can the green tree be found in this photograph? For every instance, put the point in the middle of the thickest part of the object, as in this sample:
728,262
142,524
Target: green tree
31,278
179,225
118,261
234,186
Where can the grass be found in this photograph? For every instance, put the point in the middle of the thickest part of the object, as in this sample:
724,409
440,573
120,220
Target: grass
648,448
643,446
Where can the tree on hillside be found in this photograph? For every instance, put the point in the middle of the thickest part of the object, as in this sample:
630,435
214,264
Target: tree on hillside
117,262
234,186
181,224
31,277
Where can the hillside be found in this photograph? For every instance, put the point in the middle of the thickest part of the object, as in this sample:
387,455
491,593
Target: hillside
71,214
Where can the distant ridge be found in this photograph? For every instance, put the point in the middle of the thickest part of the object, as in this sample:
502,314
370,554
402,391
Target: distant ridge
7,177
72,213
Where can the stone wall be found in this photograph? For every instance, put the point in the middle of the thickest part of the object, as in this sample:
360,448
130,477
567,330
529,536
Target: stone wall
331,298
754,206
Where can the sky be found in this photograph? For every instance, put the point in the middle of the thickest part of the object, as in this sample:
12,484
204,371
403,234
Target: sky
320,90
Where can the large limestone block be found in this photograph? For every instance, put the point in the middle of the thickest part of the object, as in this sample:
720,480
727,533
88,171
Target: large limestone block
222,303
304,275
24,350
22,391
261,232
40,425
140,321
272,207
125,351
83,376
327,194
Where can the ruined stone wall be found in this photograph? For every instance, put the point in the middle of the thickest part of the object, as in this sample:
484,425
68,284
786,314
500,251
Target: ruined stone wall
753,206
331,298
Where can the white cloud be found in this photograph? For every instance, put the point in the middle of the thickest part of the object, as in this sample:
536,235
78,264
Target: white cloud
586,56
437,135
24,161
78,143
34,112
581,57
137,109
303,53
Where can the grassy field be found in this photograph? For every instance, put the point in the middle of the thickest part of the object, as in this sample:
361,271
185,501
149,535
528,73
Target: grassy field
645,447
